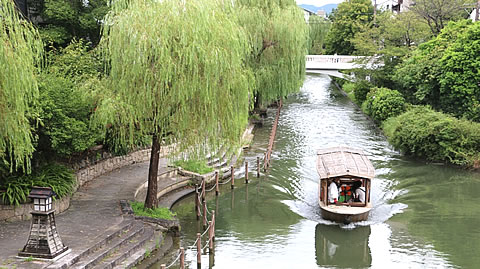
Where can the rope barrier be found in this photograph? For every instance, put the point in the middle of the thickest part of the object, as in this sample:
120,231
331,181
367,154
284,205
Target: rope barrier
225,182
206,230
176,259
206,245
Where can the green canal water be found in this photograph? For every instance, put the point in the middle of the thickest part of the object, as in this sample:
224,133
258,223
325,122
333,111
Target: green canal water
423,216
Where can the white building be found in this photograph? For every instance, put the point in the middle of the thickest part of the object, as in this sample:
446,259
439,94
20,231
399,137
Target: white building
401,5
307,13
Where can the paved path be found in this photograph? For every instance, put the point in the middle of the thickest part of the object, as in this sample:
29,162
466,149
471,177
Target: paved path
94,210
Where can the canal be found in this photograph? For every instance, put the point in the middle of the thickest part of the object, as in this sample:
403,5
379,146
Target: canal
424,215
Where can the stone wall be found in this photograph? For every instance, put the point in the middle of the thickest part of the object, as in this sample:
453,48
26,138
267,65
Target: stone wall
22,212
86,174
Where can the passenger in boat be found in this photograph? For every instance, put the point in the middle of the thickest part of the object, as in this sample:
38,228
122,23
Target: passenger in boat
360,193
333,191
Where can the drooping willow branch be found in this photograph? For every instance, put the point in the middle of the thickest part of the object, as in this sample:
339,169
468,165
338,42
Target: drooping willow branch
21,51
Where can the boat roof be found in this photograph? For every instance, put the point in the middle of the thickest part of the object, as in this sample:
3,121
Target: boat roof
343,161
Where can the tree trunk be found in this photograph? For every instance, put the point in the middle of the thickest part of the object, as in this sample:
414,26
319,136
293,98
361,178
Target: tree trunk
151,200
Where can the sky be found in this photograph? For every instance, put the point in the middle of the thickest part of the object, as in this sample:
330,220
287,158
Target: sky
318,3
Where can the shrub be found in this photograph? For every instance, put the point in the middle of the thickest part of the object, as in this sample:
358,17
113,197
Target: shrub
65,116
349,89
158,213
383,103
435,136
361,89
17,187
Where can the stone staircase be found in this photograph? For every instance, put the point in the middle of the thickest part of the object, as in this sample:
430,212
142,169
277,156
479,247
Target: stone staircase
123,248
170,195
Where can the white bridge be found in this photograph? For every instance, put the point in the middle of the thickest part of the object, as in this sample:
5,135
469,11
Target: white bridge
330,64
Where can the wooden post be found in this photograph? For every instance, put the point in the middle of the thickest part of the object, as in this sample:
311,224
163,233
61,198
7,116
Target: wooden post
199,251
258,166
233,177
210,236
204,215
182,258
265,162
246,172
216,183
213,224
203,190
197,206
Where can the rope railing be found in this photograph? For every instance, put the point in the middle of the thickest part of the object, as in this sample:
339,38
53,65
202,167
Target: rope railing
200,199
176,259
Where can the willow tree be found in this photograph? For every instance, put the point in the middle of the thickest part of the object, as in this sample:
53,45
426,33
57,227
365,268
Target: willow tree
20,54
176,68
278,36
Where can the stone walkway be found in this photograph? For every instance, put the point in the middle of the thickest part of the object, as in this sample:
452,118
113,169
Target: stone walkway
94,210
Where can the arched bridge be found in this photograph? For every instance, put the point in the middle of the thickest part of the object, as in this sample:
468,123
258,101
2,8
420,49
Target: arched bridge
331,64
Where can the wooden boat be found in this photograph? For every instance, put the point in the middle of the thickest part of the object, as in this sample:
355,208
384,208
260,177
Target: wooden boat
351,170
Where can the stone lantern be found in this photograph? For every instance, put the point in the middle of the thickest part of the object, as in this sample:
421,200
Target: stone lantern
43,241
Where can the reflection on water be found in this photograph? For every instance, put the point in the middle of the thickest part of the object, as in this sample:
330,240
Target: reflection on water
343,248
423,216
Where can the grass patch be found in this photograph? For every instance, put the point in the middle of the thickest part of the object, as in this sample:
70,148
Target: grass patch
348,88
157,213
195,166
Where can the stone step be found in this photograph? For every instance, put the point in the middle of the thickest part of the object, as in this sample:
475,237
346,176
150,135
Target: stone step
141,254
110,248
169,199
70,259
128,248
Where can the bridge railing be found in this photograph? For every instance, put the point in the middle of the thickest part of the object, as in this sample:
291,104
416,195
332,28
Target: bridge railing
333,58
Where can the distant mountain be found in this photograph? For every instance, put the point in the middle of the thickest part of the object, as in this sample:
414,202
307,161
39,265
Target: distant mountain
328,8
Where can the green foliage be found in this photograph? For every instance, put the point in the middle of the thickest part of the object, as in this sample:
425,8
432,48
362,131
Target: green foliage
348,88
383,103
66,107
17,186
347,20
196,166
361,89
443,72
21,52
64,20
175,68
435,136
318,27
277,36
437,13
391,35
460,80
76,61
158,213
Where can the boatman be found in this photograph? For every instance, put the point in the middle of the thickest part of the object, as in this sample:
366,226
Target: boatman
333,192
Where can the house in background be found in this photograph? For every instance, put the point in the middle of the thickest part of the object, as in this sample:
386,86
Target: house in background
307,13
322,13
401,5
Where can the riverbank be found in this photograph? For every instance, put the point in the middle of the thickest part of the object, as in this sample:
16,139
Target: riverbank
96,228
417,131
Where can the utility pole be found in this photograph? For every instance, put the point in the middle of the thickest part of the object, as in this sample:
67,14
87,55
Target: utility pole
375,12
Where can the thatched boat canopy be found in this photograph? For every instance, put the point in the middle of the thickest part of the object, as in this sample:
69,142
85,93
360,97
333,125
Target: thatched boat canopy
343,161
